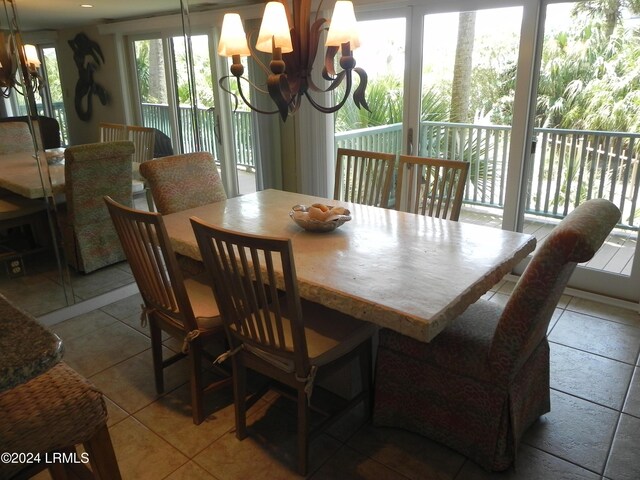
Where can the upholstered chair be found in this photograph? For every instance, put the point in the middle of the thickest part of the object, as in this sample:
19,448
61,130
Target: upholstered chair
93,171
15,137
180,182
484,379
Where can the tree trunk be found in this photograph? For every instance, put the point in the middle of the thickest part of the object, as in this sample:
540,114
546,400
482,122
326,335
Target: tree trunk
461,85
157,81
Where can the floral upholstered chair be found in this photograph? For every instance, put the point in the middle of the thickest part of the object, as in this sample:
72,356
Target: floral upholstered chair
180,182
15,137
92,172
485,378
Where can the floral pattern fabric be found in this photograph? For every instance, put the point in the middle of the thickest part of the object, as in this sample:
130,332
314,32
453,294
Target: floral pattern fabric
484,379
15,137
91,172
180,182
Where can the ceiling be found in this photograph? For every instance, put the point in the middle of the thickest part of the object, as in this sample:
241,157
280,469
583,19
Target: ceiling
59,14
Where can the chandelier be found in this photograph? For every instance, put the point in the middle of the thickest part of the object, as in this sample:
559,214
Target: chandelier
19,63
293,52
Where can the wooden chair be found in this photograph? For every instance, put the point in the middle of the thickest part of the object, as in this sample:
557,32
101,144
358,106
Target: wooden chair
179,182
91,172
273,331
364,177
143,139
431,186
479,384
186,309
112,132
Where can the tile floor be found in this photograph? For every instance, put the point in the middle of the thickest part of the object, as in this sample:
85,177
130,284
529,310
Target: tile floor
592,431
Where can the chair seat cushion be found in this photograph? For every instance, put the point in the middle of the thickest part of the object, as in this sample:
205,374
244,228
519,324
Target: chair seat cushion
459,348
203,302
329,334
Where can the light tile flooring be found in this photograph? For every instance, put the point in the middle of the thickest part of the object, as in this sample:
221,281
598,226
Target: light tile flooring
592,431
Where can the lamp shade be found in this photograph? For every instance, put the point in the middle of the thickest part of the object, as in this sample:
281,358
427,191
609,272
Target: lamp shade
274,29
31,56
233,40
344,27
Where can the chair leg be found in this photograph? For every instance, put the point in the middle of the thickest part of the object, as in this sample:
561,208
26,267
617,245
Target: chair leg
156,352
197,394
150,203
303,431
240,397
101,455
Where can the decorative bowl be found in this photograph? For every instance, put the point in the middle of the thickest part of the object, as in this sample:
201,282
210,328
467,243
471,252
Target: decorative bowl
54,156
300,215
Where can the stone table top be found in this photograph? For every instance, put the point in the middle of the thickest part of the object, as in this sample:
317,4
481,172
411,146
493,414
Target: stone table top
27,348
20,173
407,272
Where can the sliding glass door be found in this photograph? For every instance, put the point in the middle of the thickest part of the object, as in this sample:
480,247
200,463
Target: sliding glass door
586,137
176,96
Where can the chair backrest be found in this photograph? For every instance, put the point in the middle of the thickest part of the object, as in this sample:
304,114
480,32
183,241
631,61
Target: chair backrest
431,186
525,319
179,182
15,137
92,171
143,139
47,128
113,132
364,177
153,263
255,285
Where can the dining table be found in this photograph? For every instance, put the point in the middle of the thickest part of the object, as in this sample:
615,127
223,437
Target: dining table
410,273
20,173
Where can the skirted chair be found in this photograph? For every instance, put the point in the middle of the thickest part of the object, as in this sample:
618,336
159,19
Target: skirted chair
480,383
47,127
23,220
171,178
15,137
93,171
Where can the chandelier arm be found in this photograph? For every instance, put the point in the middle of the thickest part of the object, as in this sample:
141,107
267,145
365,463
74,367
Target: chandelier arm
335,83
359,93
246,100
329,71
255,54
336,107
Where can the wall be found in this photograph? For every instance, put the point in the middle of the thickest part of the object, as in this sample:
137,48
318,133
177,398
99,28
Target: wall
107,75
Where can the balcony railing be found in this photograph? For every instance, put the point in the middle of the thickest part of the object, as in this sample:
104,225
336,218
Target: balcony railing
569,166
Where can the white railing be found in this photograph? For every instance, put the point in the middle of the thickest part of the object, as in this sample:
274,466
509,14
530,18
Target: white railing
569,166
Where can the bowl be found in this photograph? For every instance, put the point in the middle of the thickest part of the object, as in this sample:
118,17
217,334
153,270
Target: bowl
300,215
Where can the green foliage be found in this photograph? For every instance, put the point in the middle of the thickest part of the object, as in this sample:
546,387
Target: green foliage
385,96
589,77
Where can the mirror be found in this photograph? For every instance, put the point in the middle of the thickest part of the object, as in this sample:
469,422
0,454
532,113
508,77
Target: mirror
40,281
